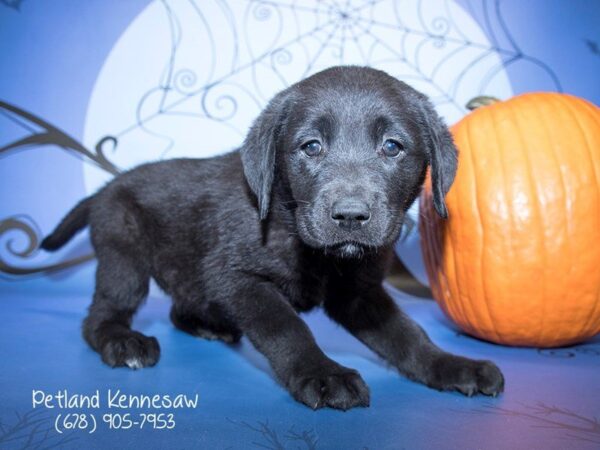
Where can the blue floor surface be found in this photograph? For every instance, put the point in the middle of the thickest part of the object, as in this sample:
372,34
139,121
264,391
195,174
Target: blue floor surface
552,398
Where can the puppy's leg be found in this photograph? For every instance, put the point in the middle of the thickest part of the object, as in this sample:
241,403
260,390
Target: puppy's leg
202,319
121,286
276,330
377,321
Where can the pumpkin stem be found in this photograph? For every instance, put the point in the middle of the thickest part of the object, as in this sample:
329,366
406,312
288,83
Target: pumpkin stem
481,100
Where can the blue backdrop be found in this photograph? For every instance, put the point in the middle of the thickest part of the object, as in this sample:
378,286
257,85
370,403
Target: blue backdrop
89,88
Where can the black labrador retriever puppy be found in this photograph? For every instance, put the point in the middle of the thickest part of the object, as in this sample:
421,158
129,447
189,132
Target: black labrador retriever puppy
306,213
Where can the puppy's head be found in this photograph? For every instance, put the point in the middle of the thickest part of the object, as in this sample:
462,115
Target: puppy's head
350,146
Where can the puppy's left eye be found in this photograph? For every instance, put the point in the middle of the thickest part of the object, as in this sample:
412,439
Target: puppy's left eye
392,148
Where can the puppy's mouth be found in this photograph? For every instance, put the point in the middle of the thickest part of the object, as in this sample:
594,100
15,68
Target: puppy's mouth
347,249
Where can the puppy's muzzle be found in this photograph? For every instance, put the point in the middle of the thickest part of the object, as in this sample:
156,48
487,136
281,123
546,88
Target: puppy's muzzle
350,213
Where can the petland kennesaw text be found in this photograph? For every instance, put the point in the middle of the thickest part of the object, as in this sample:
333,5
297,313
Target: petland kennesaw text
112,399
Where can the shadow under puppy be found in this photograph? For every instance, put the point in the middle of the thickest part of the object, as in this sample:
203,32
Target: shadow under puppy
305,214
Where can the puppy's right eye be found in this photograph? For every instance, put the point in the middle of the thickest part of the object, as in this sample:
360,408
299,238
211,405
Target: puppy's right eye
312,148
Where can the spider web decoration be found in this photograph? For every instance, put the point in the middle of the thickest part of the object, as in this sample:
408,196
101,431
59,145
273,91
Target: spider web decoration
215,64
187,77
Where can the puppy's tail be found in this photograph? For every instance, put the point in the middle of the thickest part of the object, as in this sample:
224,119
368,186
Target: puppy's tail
76,220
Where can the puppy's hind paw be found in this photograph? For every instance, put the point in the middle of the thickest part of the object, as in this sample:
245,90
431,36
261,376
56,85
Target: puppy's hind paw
132,349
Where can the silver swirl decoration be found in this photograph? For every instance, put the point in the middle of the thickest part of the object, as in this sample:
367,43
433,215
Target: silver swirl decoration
185,81
439,42
100,149
262,11
440,27
25,226
218,106
281,57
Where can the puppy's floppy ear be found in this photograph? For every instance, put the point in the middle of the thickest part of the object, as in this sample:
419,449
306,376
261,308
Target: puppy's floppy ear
259,148
442,156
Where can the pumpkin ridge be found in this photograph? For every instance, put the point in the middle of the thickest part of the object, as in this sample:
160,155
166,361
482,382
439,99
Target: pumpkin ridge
566,208
500,154
540,225
567,104
582,132
482,243
466,306
592,111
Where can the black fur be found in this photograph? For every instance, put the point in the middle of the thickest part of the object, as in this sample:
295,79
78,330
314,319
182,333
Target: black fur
245,241
76,220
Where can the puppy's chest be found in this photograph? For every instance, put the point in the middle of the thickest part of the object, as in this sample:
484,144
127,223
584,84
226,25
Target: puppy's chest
305,292
300,279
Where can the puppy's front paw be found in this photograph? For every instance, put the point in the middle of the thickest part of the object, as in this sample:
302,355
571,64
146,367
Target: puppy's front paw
338,388
131,349
467,376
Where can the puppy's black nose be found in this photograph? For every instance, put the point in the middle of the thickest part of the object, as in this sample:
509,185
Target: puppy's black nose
350,213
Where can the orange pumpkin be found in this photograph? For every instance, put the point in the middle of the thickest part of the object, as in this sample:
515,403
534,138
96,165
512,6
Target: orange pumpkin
518,260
